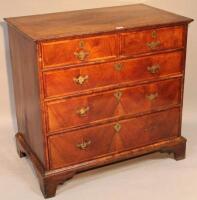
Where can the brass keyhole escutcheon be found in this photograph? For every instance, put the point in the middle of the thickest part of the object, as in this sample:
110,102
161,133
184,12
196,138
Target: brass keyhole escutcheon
118,67
82,44
154,34
118,95
117,127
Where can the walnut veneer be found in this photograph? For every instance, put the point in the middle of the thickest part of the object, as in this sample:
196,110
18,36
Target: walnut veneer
97,86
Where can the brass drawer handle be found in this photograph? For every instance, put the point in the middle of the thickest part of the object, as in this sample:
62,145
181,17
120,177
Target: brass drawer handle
153,45
84,144
80,79
83,111
152,96
117,127
81,55
154,69
118,67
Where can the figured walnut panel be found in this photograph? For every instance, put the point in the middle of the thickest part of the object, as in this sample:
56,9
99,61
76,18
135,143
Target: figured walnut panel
152,40
112,74
65,149
66,52
65,113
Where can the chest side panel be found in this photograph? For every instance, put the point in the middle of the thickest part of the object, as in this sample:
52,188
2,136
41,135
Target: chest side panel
26,88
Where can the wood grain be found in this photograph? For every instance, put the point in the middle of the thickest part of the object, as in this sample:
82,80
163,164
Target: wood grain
64,113
64,52
111,74
27,94
140,41
93,21
105,140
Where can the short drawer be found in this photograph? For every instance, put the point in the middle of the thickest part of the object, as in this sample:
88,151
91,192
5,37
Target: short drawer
87,109
70,81
87,144
152,40
76,51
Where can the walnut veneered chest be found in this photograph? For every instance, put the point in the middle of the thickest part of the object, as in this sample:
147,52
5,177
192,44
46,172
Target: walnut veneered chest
97,86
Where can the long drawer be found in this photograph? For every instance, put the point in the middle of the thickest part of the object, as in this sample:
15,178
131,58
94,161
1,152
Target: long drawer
70,81
87,144
139,42
82,110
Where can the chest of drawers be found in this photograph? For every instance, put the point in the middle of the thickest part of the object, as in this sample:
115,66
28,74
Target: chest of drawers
98,86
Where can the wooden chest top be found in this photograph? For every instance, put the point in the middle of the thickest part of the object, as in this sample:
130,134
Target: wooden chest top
93,21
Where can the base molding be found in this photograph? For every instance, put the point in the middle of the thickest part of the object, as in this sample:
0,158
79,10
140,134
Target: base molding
49,180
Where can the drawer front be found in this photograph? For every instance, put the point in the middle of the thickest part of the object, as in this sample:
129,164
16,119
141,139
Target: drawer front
152,40
68,81
87,109
86,144
78,50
